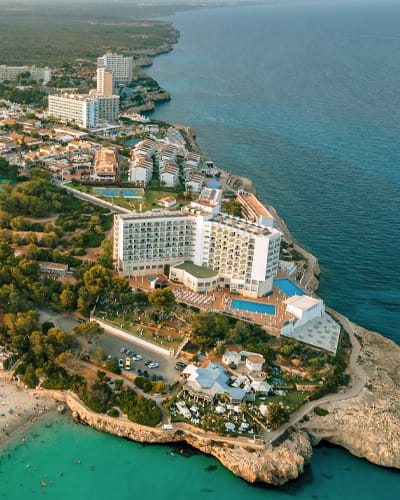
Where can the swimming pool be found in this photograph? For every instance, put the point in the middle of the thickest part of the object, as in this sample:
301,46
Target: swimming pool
126,193
247,305
151,278
214,184
288,287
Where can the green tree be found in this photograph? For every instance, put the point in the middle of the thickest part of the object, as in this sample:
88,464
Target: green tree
163,299
277,415
97,280
90,331
68,300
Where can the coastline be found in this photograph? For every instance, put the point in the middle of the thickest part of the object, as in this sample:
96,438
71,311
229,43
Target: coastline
346,425
28,408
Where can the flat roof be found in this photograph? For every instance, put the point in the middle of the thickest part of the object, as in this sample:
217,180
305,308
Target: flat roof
243,224
196,271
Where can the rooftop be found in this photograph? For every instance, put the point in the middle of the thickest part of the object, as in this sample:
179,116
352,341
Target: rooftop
243,225
303,302
254,204
196,271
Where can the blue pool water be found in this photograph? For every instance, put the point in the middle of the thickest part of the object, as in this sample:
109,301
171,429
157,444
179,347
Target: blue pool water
286,286
214,184
132,142
109,192
126,193
246,305
151,278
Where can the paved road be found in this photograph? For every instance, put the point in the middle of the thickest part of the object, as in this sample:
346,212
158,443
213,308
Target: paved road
64,322
92,199
112,346
358,380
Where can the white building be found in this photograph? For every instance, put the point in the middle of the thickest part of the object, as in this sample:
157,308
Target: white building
37,74
83,110
122,66
310,323
195,182
145,243
170,174
141,170
108,107
242,255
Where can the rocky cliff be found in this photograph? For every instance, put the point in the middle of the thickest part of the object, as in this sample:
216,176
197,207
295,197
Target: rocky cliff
367,425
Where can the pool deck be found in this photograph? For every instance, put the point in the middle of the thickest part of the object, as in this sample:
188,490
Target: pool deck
220,301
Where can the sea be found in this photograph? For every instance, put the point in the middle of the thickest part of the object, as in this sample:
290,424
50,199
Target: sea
304,99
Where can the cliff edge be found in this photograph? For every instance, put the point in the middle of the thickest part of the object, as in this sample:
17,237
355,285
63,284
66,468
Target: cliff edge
366,425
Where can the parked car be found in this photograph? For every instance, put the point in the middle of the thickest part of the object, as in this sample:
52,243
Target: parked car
128,364
153,364
121,363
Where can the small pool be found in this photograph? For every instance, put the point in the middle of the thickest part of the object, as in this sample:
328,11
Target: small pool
151,278
288,287
247,305
125,193
214,184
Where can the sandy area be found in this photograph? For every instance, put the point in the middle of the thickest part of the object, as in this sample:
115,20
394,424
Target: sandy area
19,408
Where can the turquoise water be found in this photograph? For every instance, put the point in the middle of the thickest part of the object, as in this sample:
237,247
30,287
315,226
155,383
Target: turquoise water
287,287
304,99
247,305
111,467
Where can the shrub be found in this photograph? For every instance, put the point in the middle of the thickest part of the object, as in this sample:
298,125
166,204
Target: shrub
113,412
144,383
321,412
113,366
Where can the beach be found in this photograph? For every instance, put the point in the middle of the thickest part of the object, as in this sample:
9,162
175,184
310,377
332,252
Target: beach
19,408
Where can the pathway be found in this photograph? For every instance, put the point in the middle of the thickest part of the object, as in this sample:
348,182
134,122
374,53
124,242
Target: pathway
358,381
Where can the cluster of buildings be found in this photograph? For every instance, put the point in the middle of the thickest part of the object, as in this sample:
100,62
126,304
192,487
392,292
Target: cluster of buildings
101,104
148,152
219,250
35,73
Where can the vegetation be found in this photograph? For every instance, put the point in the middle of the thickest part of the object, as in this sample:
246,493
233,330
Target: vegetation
57,34
321,412
232,208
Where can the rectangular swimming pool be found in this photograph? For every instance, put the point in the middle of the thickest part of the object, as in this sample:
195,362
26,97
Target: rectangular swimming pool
288,287
247,305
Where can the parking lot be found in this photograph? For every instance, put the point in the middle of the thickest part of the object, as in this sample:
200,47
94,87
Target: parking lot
112,347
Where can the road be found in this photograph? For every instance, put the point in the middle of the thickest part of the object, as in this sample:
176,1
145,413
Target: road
64,322
112,346
358,380
92,199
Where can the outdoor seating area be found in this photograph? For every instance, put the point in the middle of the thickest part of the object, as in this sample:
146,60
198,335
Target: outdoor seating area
228,418
201,300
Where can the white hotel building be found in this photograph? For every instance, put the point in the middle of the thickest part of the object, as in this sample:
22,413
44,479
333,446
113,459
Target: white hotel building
122,66
83,110
240,254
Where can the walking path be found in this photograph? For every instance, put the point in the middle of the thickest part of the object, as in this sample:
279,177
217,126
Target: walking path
357,377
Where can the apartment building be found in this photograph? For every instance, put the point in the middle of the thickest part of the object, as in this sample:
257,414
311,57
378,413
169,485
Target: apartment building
83,110
121,66
243,255
108,107
37,74
105,81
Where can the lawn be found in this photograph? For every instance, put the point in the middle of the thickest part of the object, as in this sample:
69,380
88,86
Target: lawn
292,399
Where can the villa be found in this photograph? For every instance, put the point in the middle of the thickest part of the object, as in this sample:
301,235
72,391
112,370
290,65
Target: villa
211,382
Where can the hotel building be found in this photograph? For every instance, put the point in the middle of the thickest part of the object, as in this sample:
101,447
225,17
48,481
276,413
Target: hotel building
231,252
37,74
121,66
83,110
